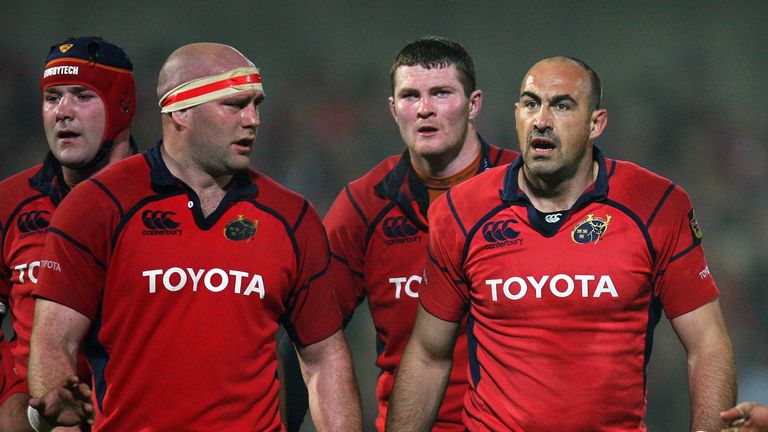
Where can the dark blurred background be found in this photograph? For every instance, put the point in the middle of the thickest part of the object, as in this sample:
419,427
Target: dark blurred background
684,85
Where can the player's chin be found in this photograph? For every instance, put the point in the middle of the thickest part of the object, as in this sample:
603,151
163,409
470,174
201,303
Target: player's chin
239,162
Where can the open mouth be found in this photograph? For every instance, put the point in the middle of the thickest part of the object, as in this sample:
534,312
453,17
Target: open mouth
427,129
65,134
245,142
542,143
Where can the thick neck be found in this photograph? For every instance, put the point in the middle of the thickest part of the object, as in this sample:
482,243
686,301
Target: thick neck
449,163
559,195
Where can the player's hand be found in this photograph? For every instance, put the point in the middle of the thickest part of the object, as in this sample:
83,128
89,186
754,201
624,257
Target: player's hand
68,404
746,417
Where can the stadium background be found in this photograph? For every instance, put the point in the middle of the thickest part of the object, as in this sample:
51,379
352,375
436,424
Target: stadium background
684,85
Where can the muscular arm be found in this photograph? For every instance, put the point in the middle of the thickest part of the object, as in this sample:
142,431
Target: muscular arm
423,374
334,399
52,374
711,371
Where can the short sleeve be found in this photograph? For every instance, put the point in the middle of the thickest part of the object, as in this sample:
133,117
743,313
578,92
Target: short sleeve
313,313
77,248
445,293
346,230
684,281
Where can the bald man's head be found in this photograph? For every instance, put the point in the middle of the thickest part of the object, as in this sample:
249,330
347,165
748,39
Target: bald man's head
198,60
595,86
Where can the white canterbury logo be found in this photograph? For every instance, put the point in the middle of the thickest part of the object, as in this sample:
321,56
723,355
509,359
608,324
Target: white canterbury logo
553,218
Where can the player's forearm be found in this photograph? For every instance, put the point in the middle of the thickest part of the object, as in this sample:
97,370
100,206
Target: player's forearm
56,336
419,389
712,386
334,398
49,364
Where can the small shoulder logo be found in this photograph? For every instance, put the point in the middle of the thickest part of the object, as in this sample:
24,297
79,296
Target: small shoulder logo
64,48
159,222
241,228
33,222
695,228
501,233
591,229
399,230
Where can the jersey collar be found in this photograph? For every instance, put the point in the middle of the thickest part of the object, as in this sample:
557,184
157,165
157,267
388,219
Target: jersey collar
403,186
164,181
511,192
48,178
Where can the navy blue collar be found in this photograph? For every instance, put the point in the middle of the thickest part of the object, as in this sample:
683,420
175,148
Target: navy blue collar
164,181
511,192
403,186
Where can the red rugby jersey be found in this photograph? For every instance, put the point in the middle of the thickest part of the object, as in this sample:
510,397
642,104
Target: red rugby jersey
184,308
378,229
27,203
562,307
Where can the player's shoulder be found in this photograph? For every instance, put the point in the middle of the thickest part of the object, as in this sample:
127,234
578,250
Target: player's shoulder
471,199
16,189
18,184
365,183
362,191
279,198
481,186
123,182
500,156
641,189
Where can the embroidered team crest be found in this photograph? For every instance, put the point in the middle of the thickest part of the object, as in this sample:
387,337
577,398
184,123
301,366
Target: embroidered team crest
64,48
695,228
241,228
590,229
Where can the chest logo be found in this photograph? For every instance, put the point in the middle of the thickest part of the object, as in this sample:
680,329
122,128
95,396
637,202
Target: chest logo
399,230
501,233
240,228
160,222
33,221
591,229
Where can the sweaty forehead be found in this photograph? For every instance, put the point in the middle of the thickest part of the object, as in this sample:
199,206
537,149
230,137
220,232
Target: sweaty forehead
556,77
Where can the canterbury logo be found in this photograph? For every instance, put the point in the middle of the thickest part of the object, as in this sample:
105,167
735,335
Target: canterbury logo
34,220
499,231
553,218
398,227
159,222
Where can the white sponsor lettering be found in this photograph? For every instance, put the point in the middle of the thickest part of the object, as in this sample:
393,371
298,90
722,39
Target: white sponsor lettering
407,283
61,70
30,270
704,273
561,286
214,280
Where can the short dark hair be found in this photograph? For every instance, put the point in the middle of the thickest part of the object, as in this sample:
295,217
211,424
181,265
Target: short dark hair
437,52
596,88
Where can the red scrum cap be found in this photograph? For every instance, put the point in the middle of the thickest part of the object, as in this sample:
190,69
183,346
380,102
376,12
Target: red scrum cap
101,66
